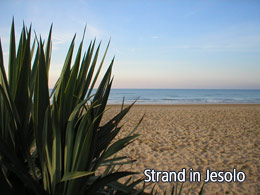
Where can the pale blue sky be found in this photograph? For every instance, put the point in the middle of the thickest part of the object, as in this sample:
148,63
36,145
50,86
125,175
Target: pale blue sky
157,44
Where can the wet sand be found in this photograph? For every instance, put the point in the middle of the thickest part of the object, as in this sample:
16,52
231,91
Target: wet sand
215,137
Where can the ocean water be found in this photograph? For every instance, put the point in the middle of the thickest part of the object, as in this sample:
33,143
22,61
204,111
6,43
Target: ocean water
184,96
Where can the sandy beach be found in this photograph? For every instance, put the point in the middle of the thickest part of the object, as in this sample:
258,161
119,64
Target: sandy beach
201,137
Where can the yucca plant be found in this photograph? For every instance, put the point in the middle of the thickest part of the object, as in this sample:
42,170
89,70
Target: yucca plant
54,143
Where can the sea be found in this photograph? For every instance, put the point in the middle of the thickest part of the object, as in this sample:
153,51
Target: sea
184,96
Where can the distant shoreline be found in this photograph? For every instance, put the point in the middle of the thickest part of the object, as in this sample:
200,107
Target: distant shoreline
176,105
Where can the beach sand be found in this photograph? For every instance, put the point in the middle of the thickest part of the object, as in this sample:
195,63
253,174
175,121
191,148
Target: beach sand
215,137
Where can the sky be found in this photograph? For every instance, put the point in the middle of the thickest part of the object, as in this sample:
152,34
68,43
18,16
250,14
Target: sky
212,44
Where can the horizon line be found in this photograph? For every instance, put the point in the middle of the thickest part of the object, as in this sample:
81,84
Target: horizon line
183,88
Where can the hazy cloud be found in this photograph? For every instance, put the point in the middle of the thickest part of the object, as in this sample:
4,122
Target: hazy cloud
155,37
61,38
